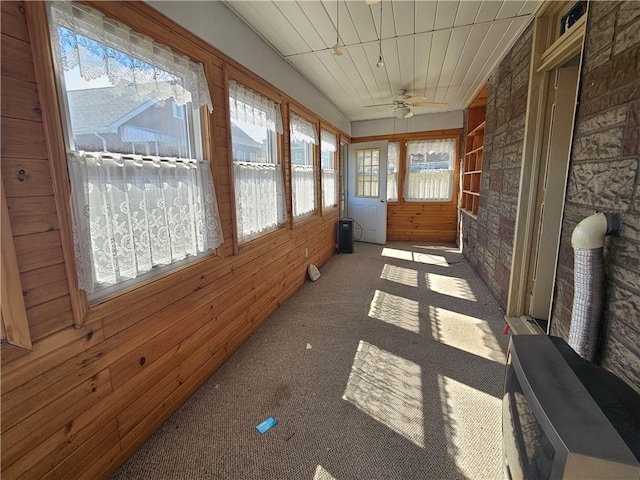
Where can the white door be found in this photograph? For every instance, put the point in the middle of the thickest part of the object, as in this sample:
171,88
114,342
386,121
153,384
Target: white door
367,190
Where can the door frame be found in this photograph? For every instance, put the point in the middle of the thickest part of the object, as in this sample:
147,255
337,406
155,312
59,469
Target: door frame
548,53
353,148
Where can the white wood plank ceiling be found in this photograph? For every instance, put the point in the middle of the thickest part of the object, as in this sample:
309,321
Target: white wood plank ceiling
443,50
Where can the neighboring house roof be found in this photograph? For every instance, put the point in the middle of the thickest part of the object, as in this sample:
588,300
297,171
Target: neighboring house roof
104,109
243,138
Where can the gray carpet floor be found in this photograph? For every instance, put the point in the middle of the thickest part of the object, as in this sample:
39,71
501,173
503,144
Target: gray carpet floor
390,366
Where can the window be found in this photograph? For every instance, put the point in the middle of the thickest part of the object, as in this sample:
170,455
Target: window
304,137
393,156
256,126
178,111
367,172
133,213
430,169
328,150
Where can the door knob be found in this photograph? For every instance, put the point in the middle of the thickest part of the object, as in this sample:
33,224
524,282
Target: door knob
381,201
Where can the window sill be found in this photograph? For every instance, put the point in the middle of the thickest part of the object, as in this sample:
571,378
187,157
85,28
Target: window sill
329,210
181,280
268,236
305,219
109,292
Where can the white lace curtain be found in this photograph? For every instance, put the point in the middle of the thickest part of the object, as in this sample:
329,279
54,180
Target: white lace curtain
83,37
329,147
259,187
246,105
429,185
303,177
328,141
329,188
303,183
260,203
392,171
134,213
430,170
302,130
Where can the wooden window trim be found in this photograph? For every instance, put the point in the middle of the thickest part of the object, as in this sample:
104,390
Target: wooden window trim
231,73
37,21
15,326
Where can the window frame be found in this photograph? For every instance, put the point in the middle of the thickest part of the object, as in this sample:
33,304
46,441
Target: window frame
231,73
336,162
406,173
315,151
194,127
54,132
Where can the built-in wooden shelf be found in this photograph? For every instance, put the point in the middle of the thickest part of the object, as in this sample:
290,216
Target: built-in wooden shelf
474,152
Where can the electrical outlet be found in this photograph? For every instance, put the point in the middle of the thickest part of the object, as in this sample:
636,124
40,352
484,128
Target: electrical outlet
306,253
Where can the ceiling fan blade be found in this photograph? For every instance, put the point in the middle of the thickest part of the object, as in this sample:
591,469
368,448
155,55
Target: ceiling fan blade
380,105
409,115
415,99
430,104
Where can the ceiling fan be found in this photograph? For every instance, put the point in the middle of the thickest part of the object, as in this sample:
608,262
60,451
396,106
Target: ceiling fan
403,102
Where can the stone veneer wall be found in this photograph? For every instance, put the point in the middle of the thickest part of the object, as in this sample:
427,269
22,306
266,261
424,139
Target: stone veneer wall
603,176
488,240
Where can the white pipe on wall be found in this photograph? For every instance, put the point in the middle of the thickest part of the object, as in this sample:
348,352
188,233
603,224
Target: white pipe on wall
587,241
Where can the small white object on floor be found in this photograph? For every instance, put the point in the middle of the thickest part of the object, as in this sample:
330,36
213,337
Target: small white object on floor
314,273
308,346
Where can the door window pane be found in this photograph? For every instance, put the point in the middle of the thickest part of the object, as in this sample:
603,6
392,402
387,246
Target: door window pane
367,172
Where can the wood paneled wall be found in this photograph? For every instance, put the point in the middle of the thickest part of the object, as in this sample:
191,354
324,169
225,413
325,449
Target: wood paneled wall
421,221
84,399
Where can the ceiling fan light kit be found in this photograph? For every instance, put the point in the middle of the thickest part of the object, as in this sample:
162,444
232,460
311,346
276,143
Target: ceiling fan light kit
403,112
